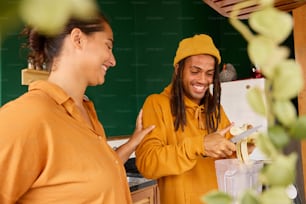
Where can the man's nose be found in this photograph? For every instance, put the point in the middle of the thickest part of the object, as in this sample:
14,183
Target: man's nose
202,77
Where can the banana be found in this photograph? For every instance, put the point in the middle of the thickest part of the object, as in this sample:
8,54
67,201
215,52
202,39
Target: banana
242,146
244,151
238,151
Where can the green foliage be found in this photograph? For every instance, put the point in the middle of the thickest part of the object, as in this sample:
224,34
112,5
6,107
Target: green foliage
33,12
255,98
284,80
249,197
266,145
264,22
280,172
275,195
278,136
285,112
287,71
9,16
298,128
260,48
216,197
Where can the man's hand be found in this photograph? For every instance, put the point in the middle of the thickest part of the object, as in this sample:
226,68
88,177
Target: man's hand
217,146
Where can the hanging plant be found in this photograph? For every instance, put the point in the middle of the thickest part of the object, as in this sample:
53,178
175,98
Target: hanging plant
268,28
48,17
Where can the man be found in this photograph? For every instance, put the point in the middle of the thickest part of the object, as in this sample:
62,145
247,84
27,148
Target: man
192,129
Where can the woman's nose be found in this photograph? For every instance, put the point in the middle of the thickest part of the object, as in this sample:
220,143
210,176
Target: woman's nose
112,60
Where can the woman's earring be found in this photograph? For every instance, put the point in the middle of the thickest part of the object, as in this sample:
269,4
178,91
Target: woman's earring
54,66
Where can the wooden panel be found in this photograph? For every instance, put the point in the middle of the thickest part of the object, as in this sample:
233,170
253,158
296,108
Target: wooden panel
144,201
157,195
299,32
225,7
144,196
30,75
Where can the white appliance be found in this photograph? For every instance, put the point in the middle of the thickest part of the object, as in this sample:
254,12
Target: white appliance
235,104
233,100
237,108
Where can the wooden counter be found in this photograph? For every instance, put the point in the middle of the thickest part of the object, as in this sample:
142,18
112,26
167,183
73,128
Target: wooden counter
143,191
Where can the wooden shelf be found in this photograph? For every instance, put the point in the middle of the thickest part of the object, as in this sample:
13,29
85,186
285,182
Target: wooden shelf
225,7
30,75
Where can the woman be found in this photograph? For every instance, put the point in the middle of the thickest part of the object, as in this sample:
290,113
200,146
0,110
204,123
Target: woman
53,149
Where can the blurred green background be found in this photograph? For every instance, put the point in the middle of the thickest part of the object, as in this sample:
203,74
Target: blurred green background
146,36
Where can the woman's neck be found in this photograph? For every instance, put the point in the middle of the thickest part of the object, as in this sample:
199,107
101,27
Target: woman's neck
71,85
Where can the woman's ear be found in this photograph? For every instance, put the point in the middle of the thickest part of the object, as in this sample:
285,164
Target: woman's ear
77,37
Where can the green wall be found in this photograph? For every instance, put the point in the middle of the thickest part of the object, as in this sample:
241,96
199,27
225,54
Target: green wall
13,59
0,69
146,36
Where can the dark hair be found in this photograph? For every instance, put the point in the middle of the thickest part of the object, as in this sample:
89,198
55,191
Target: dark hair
43,48
211,101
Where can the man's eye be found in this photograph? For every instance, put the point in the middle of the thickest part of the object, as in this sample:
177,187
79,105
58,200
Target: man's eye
194,71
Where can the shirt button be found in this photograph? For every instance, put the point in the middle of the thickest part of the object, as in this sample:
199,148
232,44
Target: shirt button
116,162
99,137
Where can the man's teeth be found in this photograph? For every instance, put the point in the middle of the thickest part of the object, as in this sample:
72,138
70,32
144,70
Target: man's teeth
199,88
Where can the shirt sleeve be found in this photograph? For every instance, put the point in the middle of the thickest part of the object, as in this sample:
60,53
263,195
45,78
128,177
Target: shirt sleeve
225,122
20,156
159,154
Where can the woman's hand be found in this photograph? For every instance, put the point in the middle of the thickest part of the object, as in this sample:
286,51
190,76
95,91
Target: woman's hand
139,132
125,150
217,146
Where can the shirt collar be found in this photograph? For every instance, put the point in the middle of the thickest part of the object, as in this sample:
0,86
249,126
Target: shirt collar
53,90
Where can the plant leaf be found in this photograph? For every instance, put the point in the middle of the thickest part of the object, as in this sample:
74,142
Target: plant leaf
49,17
249,197
278,136
256,100
275,195
281,172
35,13
275,57
298,128
83,9
287,71
9,17
216,197
259,49
265,145
277,26
285,111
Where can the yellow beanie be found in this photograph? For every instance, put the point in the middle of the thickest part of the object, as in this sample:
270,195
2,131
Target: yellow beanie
196,45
